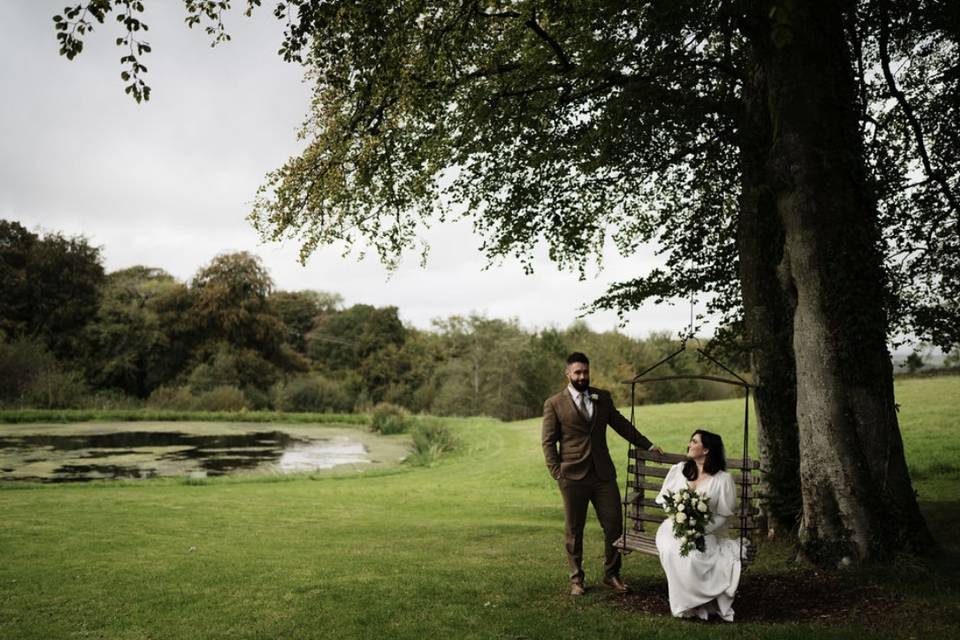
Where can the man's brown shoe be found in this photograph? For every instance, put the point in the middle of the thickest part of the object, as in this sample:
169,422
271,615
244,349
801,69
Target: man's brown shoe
615,583
576,589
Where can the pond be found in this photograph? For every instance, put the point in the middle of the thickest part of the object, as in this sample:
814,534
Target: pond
97,451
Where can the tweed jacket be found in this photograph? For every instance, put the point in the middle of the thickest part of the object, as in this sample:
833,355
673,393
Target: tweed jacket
571,443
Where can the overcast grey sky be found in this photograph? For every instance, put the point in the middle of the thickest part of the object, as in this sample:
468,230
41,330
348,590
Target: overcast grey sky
168,183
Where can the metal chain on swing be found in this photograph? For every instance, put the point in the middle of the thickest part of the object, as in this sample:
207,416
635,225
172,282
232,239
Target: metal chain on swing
744,471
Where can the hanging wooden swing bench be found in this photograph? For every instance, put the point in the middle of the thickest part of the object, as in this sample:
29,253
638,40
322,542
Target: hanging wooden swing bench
647,469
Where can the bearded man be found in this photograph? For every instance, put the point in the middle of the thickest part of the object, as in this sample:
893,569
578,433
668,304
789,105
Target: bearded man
575,448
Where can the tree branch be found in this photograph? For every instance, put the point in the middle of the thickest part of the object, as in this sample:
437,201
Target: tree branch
901,98
534,26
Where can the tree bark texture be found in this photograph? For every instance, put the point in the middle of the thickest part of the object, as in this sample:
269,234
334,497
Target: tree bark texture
857,497
768,315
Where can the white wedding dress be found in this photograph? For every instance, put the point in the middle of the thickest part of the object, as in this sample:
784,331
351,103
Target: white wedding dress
704,582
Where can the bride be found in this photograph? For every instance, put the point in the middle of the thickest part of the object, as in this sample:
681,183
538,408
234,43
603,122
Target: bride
703,582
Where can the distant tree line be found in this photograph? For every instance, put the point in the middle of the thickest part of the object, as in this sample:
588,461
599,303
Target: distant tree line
73,335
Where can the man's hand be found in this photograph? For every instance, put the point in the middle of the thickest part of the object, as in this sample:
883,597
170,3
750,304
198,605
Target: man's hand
657,450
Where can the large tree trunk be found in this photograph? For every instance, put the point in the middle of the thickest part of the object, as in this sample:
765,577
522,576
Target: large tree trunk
857,497
768,315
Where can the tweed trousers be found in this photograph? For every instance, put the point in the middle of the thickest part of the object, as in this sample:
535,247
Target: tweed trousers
605,497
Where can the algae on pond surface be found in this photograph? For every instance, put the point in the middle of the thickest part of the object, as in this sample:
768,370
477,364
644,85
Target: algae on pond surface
95,451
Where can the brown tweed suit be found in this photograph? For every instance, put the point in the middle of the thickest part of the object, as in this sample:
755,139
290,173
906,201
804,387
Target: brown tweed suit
576,454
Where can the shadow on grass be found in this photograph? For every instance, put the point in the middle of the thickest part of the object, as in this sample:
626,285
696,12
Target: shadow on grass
907,594
807,596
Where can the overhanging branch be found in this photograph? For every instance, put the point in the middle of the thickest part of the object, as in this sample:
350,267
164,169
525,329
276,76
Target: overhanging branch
562,56
908,111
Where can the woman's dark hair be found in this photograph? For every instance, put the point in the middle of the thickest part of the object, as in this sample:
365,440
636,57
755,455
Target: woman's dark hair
716,459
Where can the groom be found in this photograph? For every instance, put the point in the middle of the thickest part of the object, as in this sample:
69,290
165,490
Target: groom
576,420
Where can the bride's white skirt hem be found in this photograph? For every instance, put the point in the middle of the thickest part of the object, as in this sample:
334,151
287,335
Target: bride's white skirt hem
715,607
701,584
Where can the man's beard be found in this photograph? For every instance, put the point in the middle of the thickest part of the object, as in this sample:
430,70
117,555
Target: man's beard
580,386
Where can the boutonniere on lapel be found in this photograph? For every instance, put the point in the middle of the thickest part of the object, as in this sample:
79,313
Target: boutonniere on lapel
594,397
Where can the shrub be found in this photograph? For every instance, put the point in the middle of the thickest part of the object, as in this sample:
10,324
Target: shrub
312,394
257,398
388,419
222,398
21,362
171,398
56,389
429,441
106,399
233,367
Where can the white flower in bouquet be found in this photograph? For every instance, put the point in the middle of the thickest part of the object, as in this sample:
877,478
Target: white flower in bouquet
689,512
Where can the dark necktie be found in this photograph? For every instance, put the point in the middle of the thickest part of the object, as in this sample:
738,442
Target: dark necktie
583,407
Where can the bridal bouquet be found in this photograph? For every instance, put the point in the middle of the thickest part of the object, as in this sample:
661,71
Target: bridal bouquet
689,511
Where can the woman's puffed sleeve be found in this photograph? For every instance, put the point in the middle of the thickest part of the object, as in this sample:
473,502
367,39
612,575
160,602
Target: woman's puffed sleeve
670,482
725,501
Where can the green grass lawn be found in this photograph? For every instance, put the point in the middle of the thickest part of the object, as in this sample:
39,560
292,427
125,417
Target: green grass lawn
469,548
